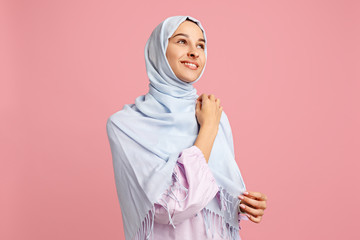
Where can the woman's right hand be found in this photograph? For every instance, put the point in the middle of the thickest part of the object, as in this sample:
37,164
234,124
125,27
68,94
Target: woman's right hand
208,111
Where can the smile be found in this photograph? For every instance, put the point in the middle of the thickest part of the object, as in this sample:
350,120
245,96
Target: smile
190,65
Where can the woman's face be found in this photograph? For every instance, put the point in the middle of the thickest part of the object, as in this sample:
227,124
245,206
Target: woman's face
186,51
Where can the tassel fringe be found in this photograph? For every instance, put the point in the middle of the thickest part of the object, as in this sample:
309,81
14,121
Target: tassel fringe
228,207
147,227
213,221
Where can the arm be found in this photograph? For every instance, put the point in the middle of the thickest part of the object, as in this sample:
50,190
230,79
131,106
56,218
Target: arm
205,140
208,114
192,170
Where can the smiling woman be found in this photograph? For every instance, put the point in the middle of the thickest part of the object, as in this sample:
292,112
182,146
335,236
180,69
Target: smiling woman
173,154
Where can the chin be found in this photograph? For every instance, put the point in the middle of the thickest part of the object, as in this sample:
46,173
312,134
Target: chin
188,79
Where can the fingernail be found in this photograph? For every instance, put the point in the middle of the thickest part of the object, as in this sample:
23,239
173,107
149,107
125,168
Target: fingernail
245,193
242,206
241,197
247,215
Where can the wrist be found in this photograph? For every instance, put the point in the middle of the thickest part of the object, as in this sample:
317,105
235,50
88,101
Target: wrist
209,129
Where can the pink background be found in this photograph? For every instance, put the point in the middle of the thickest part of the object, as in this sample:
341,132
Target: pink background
287,74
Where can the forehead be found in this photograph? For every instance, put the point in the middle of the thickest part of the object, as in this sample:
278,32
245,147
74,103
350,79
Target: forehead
190,28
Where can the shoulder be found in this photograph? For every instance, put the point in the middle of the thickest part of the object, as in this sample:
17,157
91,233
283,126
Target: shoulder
224,116
115,117
112,122
225,123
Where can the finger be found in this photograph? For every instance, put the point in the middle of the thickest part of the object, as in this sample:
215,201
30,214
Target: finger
217,102
212,97
204,97
254,219
200,98
257,195
197,106
252,211
253,202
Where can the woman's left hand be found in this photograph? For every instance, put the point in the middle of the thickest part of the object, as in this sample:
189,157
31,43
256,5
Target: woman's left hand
253,204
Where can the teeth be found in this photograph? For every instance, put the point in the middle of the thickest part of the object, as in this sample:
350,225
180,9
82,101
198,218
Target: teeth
191,64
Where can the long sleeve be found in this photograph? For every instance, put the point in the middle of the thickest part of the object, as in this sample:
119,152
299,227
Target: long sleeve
193,188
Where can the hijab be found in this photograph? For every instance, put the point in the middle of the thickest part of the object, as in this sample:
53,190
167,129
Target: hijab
146,138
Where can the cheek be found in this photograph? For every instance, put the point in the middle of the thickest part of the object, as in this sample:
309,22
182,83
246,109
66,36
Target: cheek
171,59
203,60
171,53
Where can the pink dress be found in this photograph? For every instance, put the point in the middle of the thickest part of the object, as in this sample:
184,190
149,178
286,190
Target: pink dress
192,189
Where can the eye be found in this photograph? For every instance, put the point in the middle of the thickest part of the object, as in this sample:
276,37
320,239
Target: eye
202,46
184,41
181,40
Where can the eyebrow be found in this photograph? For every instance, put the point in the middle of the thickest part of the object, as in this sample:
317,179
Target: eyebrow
185,35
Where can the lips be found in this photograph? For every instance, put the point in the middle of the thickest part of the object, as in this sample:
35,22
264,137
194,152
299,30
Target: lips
190,64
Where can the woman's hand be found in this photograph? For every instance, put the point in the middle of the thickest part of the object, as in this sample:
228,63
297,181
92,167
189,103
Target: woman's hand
208,111
253,204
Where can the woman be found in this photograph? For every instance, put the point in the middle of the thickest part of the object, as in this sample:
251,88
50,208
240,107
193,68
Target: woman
172,150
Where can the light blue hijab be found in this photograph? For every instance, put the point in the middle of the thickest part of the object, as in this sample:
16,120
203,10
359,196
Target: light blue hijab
147,137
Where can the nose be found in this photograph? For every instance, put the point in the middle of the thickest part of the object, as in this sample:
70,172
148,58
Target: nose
193,53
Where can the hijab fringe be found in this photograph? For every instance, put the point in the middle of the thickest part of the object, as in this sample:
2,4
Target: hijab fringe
146,229
223,228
